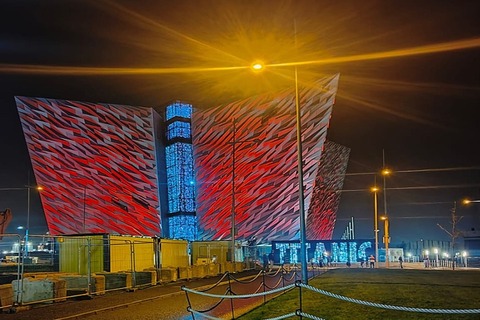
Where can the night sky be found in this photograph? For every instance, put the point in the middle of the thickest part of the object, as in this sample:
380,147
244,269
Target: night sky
409,85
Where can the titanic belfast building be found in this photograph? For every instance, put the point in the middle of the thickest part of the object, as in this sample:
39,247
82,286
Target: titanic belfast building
184,173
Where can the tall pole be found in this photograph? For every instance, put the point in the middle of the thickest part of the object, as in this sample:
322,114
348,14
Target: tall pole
375,209
233,194
28,221
303,233
84,205
384,173
387,236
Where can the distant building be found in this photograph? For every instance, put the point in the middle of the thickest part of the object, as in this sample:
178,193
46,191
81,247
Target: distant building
471,243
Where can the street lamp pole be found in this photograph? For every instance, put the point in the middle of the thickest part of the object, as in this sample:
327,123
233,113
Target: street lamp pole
84,207
303,233
28,221
375,209
233,194
386,239
385,172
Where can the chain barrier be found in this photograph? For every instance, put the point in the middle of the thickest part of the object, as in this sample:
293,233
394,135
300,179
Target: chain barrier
238,296
299,313
231,295
306,315
285,316
386,306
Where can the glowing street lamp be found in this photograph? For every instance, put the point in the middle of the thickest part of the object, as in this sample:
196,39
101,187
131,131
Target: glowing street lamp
257,66
375,190
468,201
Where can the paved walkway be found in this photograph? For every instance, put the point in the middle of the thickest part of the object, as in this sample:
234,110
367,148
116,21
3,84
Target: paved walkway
161,302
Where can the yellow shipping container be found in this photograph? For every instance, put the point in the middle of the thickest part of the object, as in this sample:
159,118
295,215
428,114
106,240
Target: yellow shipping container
174,253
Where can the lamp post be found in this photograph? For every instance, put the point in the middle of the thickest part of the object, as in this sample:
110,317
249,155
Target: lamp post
386,239
303,233
385,172
233,194
375,219
303,247
234,143
27,228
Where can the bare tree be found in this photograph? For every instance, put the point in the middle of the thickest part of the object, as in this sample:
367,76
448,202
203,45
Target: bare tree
454,233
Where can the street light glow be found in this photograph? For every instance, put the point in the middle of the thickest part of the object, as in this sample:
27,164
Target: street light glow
374,189
257,66
386,172
468,201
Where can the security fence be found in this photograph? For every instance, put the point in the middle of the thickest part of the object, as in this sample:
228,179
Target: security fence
45,268
61,267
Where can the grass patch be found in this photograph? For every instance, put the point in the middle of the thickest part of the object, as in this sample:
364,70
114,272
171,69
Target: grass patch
431,289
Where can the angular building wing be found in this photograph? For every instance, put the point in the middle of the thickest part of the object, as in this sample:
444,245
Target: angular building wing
326,192
246,162
97,164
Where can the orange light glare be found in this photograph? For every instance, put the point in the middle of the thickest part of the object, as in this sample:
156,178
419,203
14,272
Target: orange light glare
386,172
257,66
374,189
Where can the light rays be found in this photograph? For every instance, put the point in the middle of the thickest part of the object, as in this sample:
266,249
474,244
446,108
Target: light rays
377,107
414,51
139,19
73,70
407,86
99,71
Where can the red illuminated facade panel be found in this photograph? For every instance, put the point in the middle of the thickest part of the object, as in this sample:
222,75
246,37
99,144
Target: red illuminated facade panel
326,192
97,164
254,169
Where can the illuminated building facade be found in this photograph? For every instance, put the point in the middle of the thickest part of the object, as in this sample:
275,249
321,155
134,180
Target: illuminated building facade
128,170
182,222
252,171
97,164
326,192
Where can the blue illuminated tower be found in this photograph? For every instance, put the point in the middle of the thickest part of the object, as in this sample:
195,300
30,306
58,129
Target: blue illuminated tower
182,221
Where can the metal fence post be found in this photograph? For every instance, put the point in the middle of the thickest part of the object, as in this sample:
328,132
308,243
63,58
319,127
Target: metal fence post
231,300
21,261
297,283
264,286
89,266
